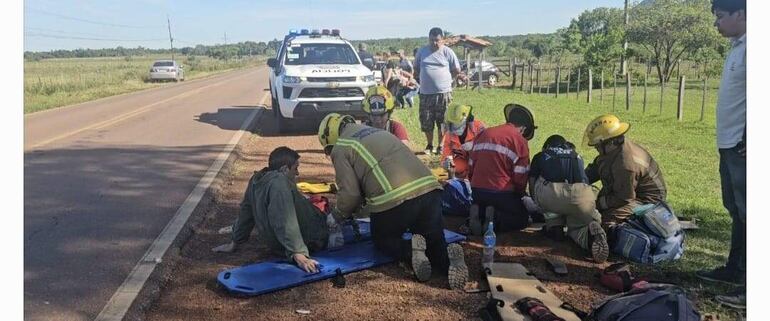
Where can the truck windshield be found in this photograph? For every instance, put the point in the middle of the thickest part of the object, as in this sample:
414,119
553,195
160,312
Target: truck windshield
320,54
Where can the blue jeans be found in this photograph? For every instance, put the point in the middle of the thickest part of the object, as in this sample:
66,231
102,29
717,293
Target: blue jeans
732,170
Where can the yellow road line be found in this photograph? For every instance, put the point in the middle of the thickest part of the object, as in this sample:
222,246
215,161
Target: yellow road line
128,115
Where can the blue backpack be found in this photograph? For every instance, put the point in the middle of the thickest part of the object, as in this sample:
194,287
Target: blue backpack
456,198
653,301
650,237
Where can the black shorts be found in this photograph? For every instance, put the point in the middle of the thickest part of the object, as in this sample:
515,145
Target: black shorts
432,110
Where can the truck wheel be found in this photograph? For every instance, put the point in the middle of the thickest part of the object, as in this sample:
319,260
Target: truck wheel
280,122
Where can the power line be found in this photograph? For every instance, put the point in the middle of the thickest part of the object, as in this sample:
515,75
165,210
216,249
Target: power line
86,38
90,21
35,29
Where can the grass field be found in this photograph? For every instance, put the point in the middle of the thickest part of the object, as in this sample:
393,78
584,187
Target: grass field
686,151
52,83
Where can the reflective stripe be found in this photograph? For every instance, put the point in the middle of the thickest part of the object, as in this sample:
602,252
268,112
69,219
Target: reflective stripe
640,161
401,191
467,146
370,160
521,169
496,148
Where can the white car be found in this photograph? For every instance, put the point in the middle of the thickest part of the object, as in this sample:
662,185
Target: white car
314,74
166,70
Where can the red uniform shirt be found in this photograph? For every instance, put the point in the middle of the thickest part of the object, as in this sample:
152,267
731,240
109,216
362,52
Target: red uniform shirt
460,151
397,130
500,160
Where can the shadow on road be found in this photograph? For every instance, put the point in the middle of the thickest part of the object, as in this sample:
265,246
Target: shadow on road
228,118
89,215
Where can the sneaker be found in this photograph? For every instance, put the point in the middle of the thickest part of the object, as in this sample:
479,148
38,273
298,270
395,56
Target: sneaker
438,150
458,271
735,299
600,250
475,221
721,274
428,149
420,262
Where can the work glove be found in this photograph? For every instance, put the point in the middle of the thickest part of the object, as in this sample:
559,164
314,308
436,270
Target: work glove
530,204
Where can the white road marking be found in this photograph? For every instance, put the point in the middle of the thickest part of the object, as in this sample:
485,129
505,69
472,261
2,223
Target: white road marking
121,300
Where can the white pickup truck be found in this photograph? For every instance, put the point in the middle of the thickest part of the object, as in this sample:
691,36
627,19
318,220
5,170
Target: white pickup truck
314,74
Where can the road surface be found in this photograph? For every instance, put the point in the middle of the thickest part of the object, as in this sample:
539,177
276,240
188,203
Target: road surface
102,179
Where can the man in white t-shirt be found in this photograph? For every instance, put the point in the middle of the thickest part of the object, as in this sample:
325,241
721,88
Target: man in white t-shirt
731,141
435,66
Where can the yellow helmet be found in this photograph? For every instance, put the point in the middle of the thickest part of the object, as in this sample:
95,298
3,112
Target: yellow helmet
378,101
329,130
602,128
457,113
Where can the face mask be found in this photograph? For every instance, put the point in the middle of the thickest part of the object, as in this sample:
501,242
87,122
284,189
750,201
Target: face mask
459,129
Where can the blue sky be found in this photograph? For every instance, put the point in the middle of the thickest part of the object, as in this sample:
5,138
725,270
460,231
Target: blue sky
60,24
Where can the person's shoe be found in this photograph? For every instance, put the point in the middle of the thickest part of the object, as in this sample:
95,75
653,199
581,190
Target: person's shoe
438,150
428,149
537,217
735,299
721,274
458,271
600,250
474,222
420,262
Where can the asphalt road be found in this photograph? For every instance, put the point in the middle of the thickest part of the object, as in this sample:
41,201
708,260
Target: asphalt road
103,178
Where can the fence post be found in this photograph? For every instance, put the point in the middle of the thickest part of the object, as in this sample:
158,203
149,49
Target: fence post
558,80
547,88
577,83
662,86
628,90
512,70
703,101
680,100
521,86
539,89
531,80
590,85
614,89
478,70
644,102
601,87
569,80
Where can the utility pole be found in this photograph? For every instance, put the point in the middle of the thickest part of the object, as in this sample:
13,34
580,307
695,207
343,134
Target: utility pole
623,69
225,38
170,38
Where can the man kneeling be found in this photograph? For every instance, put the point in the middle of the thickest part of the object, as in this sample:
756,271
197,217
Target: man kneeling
285,220
558,185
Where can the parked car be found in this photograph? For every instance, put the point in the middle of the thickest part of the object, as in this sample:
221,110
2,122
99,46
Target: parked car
490,73
166,70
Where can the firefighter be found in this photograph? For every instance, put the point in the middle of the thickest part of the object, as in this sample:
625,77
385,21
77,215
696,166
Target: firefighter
630,176
377,174
378,104
499,165
462,129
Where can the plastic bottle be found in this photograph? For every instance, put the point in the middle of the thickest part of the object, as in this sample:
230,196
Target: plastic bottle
449,165
489,245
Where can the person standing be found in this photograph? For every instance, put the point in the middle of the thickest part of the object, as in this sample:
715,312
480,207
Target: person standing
366,58
731,141
435,65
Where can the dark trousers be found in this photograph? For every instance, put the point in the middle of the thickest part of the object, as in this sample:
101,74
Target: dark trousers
732,170
511,214
420,215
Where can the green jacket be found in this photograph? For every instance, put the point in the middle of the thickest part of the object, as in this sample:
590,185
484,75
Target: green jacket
376,171
629,175
285,220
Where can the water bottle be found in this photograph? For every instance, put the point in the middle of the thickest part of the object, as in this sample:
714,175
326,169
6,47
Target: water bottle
449,165
489,245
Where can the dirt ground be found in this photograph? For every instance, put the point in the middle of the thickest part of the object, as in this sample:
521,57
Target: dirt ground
383,293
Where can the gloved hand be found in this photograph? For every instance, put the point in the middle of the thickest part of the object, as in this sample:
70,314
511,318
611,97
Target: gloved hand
530,204
356,229
336,239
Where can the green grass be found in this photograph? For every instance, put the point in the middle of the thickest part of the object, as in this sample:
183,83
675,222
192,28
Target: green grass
52,83
686,151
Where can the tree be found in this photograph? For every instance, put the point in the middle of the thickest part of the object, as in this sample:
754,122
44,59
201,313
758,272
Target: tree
597,35
670,30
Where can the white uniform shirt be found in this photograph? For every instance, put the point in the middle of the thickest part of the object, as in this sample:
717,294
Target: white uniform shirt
731,104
